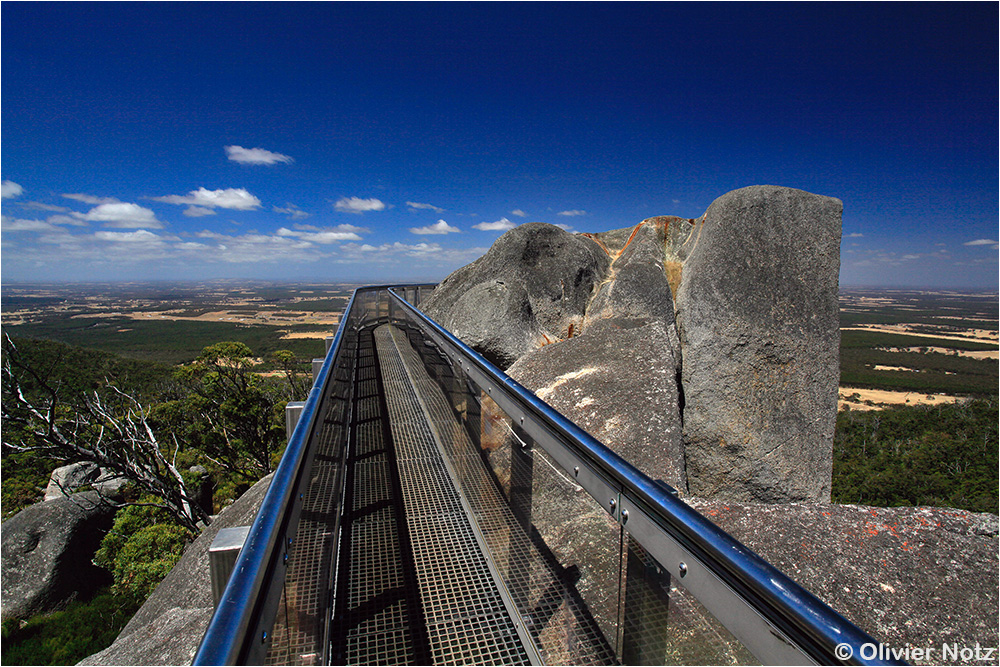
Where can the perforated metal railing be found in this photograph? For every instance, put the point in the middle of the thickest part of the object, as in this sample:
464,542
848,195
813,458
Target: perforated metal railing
430,510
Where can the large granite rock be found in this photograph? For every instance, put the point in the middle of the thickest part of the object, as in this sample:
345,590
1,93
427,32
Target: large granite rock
47,553
917,576
636,291
758,320
619,385
67,479
531,288
746,300
168,628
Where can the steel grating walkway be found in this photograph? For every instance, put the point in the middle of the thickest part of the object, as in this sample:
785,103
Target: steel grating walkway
413,585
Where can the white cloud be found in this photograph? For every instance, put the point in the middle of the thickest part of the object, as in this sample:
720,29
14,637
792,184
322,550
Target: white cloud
91,199
323,236
10,189
564,227
255,156
292,211
121,215
429,253
358,205
198,211
71,219
855,235
519,213
429,207
501,225
39,206
237,199
18,225
138,236
572,212
979,242
439,227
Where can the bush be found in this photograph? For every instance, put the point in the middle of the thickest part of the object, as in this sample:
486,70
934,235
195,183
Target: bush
66,637
140,549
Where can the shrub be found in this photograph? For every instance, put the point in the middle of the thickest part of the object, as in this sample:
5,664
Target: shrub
66,637
140,549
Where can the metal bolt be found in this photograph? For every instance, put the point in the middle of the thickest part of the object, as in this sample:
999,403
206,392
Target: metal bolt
614,503
682,568
624,516
263,636
576,471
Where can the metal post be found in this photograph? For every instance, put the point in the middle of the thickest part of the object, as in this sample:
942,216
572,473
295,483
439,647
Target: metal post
293,410
317,366
222,557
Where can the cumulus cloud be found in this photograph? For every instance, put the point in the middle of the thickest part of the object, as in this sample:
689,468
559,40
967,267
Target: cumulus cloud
292,211
415,206
572,212
978,242
501,225
198,211
255,156
91,199
519,213
138,236
439,227
10,189
358,205
323,236
18,225
121,214
564,227
237,199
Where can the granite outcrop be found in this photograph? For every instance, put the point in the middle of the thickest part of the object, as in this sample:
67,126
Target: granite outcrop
47,552
705,352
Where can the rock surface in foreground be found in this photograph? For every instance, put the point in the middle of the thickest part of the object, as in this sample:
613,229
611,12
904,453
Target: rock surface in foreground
917,576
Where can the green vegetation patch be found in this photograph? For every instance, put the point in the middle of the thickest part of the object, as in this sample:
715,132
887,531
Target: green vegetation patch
67,637
943,456
928,373
859,339
330,305
165,341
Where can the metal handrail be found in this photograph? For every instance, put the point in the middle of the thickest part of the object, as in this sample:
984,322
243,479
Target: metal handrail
814,629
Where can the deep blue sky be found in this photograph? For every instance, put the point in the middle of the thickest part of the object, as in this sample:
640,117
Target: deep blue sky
592,116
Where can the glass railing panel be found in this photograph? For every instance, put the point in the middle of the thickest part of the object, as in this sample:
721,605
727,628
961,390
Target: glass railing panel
663,624
555,549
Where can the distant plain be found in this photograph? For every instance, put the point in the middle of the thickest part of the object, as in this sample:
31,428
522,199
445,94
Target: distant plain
897,346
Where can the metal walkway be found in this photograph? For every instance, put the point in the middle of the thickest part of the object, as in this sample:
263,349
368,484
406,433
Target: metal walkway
429,510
